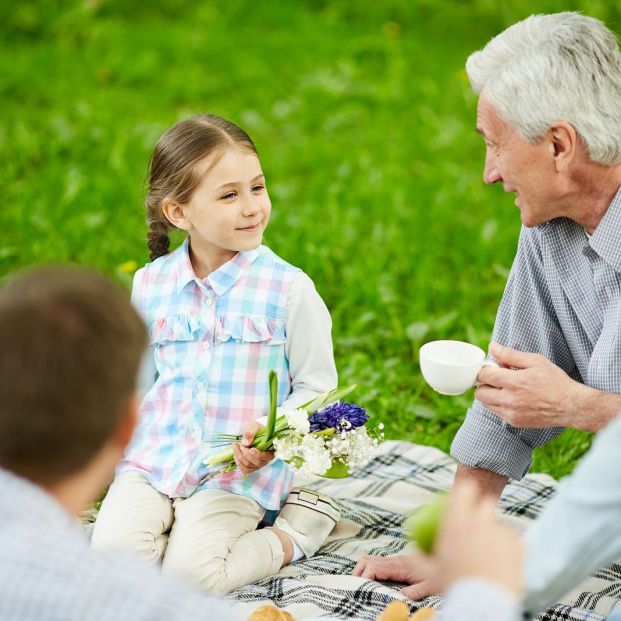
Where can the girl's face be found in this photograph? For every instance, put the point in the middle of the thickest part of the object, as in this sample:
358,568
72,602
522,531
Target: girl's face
230,208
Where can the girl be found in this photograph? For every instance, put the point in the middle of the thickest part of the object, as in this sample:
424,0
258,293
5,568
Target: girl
221,310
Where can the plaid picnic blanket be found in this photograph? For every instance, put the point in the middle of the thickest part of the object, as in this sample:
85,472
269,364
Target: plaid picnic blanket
373,503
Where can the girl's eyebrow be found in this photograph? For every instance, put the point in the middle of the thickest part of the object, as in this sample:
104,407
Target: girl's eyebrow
234,183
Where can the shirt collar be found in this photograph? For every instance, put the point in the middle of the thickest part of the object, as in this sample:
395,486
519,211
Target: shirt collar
605,239
31,502
220,280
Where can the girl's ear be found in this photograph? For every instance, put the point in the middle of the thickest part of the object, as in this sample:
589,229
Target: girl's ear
176,214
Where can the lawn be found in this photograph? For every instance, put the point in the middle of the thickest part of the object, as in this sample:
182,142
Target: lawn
364,120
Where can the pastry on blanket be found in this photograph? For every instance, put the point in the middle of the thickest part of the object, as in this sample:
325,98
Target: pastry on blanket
399,611
270,613
395,611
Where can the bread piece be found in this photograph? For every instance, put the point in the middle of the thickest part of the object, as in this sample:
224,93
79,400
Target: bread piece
395,611
270,613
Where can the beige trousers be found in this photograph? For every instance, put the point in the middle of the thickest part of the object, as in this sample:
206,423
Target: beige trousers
209,539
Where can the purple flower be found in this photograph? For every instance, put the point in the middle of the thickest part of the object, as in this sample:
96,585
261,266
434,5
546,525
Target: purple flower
339,416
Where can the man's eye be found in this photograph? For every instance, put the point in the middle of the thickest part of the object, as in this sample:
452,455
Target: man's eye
258,188
228,196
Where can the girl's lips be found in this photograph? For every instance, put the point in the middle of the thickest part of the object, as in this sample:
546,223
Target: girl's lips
251,229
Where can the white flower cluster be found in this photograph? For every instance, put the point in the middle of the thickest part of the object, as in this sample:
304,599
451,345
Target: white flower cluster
354,448
298,421
315,452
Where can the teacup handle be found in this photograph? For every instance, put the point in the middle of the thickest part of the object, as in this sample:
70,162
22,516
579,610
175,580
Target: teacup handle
487,363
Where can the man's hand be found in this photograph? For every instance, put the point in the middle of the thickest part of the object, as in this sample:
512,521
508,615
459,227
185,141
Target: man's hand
396,569
471,543
249,459
533,393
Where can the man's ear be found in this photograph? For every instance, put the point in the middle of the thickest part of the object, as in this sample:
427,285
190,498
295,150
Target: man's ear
563,144
127,423
176,214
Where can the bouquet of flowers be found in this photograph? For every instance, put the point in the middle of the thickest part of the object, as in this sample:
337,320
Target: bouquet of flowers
325,437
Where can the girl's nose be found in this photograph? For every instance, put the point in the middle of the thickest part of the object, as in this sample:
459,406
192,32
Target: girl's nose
251,206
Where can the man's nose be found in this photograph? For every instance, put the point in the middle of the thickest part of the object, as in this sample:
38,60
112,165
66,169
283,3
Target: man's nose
490,171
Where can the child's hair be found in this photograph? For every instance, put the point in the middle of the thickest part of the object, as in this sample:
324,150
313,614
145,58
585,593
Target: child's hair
172,169
71,347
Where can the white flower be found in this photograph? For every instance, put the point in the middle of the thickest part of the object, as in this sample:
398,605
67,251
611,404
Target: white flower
288,447
354,448
316,458
298,421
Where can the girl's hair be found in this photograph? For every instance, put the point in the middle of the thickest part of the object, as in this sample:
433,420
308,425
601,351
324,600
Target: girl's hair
173,166
558,67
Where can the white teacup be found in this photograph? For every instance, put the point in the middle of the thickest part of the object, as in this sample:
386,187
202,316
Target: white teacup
451,367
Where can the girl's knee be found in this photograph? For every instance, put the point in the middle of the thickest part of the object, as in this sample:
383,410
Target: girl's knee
214,574
141,543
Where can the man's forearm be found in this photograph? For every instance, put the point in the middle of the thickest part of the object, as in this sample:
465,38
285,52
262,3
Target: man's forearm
594,409
490,483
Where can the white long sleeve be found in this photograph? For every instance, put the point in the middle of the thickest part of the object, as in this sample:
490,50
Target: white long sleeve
580,529
309,343
476,599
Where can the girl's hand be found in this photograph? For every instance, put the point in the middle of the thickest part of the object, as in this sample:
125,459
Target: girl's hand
250,459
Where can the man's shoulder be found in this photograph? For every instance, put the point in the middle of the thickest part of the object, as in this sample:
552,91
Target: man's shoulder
67,575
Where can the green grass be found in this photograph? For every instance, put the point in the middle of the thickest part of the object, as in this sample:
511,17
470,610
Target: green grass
365,123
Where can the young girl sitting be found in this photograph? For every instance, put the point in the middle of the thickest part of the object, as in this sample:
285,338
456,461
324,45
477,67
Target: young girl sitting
221,310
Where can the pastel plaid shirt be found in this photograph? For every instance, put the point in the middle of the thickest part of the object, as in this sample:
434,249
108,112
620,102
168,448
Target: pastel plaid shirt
562,300
213,343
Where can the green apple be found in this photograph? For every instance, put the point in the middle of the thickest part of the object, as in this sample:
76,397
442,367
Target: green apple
423,524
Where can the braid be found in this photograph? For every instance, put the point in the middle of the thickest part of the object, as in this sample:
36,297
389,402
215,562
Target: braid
158,242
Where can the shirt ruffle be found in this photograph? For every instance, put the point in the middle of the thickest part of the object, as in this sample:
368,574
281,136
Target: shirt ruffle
242,328
250,329
174,328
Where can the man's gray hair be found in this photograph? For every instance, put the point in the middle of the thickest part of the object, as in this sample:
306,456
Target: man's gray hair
558,67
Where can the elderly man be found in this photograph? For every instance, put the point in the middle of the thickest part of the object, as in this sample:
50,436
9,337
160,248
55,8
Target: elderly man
550,116
549,113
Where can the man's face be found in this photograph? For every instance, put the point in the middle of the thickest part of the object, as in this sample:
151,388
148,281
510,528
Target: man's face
523,168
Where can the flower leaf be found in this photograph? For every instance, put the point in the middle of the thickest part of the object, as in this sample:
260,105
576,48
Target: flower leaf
327,397
271,416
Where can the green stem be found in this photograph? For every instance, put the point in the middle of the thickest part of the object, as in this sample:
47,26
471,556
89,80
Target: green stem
220,457
271,416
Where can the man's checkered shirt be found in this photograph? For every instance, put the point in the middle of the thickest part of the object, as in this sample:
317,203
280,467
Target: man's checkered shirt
562,300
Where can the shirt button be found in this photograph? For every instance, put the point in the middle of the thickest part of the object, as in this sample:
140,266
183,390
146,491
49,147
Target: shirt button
206,345
200,386
208,301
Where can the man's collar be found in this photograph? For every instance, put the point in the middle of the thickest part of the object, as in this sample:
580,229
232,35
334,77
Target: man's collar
606,239
220,280
31,501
